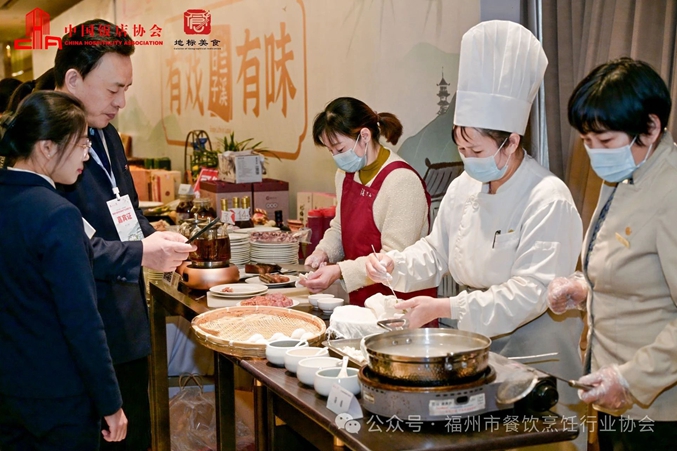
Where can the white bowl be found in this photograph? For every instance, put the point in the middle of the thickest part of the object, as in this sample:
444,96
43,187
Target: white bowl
327,305
312,298
275,349
326,377
306,368
293,356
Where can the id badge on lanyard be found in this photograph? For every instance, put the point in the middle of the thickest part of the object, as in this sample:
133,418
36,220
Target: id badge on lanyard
121,209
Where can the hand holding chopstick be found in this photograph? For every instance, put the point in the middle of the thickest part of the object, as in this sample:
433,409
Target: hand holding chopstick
387,275
202,230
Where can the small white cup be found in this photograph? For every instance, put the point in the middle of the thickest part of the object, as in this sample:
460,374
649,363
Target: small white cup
326,377
327,305
275,350
294,355
306,368
312,298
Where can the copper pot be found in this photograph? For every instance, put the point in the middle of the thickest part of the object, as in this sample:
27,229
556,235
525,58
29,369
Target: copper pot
205,278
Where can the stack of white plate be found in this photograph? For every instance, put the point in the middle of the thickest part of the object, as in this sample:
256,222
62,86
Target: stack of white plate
274,252
239,248
235,292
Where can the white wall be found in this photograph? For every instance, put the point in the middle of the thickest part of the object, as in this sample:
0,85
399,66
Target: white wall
388,53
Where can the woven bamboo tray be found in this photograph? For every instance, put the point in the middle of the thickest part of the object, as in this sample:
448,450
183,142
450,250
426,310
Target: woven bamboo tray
227,329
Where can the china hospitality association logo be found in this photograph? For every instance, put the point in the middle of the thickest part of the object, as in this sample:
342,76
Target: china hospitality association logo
37,32
197,21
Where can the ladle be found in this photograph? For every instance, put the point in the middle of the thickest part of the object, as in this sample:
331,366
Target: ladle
344,368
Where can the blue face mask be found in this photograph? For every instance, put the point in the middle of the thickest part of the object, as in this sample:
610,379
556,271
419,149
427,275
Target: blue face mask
614,165
349,161
485,169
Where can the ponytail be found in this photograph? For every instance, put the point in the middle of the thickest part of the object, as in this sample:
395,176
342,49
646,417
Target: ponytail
390,127
347,116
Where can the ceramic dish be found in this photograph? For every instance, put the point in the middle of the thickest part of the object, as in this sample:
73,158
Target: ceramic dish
326,377
256,280
327,305
313,298
238,290
294,355
275,350
306,368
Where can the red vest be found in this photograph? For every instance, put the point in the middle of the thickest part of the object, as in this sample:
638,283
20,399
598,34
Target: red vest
359,232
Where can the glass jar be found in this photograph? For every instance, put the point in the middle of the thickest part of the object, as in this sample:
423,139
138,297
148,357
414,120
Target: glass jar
184,207
213,246
202,209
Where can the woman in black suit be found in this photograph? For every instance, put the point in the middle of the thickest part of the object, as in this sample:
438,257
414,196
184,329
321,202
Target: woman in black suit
56,374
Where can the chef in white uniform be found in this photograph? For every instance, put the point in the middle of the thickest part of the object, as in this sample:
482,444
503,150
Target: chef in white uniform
506,226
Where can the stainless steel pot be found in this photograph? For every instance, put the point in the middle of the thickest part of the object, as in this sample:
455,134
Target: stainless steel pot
426,356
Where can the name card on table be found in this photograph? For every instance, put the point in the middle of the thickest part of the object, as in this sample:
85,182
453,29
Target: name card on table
341,400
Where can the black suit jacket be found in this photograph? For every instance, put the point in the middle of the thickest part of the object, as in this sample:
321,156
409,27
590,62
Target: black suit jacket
117,265
52,341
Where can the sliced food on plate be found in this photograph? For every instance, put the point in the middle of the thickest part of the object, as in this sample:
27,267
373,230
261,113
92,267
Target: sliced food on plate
273,278
271,300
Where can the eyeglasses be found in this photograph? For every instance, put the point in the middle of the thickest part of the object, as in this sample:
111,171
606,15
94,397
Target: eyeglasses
86,146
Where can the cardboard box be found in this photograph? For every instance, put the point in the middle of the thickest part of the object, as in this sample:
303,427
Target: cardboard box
272,195
306,201
141,179
217,190
240,167
164,185
206,174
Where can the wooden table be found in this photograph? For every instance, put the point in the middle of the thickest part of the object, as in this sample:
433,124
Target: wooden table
304,411
166,301
278,395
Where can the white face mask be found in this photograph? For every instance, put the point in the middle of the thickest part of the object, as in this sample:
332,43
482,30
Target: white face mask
349,161
485,169
615,165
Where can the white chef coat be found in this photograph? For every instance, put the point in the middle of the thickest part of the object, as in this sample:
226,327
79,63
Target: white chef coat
508,246
540,238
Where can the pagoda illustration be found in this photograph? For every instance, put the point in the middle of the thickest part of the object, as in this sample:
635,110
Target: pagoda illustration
443,94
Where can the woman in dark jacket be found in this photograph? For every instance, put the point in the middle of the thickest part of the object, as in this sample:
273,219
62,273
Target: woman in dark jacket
56,374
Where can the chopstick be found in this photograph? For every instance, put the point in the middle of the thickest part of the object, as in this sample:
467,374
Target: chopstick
202,230
387,281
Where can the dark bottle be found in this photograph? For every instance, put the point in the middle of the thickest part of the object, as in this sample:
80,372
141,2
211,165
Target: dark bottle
245,217
279,222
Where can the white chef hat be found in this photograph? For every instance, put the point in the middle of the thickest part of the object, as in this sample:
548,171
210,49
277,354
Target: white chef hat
500,70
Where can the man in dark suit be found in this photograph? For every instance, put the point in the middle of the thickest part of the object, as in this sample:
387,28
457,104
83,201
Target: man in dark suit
99,75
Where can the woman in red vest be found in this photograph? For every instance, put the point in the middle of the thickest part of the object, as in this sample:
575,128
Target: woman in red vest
382,201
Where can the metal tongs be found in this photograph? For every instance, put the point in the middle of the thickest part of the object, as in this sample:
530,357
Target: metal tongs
202,230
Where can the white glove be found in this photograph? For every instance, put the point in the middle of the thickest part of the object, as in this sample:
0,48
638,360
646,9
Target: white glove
165,251
379,267
610,389
566,293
